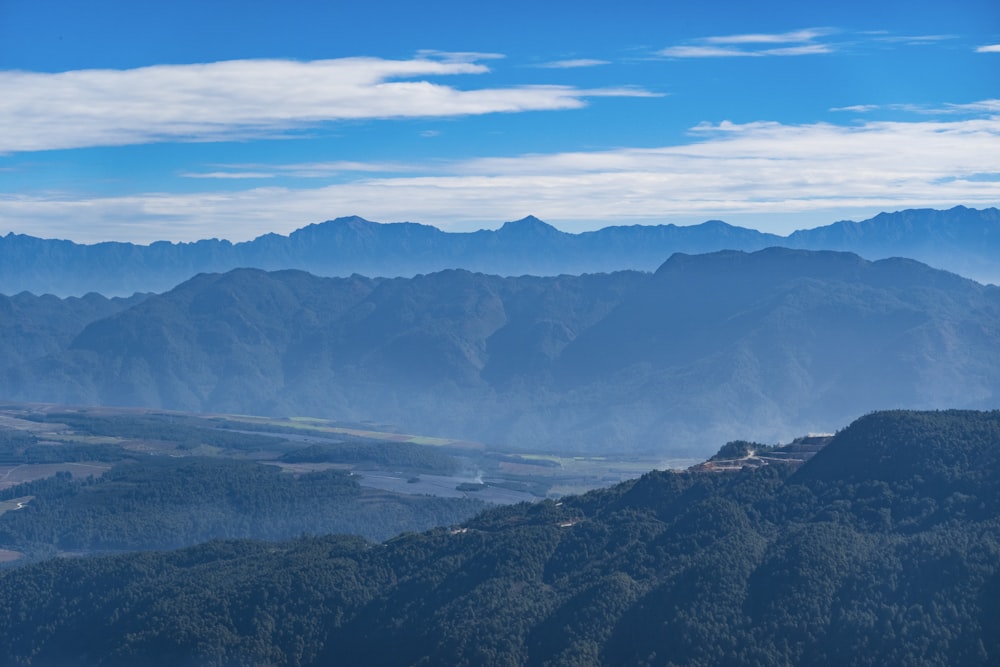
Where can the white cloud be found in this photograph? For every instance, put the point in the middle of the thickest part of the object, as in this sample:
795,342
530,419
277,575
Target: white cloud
246,98
800,43
727,170
574,63
729,52
857,108
810,41
703,52
320,169
622,91
801,50
915,40
972,108
228,174
772,38
459,56
982,107
989,48
304,169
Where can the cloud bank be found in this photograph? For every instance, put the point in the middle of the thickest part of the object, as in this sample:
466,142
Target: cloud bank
728,169
248,98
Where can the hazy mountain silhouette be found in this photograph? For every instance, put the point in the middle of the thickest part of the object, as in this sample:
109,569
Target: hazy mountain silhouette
709,347
962,240
33,326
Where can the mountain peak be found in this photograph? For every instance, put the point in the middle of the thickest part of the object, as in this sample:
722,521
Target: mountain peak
352,225
351,221
715,224
528,225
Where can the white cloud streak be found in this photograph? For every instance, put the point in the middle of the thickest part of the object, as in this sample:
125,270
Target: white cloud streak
800,43
915,40
246,98
773,38
805,42
972,108
233,175
857,108
704,52
989,48
753,169
303,170
573,63
801,50
459,56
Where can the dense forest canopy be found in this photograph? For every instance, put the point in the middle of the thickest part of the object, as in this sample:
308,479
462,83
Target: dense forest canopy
884,548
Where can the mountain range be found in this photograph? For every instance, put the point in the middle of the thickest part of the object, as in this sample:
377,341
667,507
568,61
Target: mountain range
709,347
961,240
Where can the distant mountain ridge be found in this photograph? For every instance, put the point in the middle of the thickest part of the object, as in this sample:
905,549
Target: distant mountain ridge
710,347
962,240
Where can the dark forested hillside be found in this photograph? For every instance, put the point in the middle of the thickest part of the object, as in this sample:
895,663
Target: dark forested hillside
962,240
884,548
33,326
765,345
162,503
81,481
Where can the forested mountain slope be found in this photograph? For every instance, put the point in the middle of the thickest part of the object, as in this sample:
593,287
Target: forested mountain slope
712,347
33,326
884,548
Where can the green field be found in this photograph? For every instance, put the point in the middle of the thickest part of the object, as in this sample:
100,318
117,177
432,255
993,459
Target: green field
138,432
325,426
152,479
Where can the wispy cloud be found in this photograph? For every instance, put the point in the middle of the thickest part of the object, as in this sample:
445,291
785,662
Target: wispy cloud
573,63
914,40
801,50
341,166
989,107
727,169
857,108
795,36
232,175
989,48
795,43
984,106
326,170
459,56
248,98
621,91
704,52
809,41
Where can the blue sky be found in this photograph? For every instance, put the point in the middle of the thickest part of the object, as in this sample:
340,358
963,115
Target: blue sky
183,120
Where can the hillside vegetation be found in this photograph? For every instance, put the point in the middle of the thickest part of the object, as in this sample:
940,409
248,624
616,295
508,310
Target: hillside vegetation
884,548
709,348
